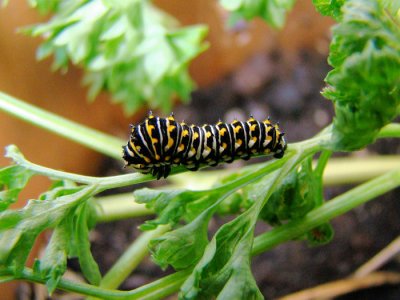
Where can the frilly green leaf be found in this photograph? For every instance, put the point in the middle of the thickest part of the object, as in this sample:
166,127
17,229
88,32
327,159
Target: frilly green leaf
365,82
272,11
129,48
331,8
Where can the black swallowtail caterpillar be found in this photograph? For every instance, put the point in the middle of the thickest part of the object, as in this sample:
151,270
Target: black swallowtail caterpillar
159,143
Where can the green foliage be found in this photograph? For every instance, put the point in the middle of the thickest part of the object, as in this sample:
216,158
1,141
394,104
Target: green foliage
272,11
12,180
45,6
64,208
182,247
329,8
171,205
224,269
298,194
365,52
129,48
287,193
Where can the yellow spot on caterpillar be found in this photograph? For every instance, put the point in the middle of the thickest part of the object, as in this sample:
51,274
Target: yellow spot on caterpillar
222,131
253,127
149,128
167,158
206,152
181,147
268,122
208,134
170,144
238,143
176,160
252,142
237,128
146,159
195,136
185,133
192,152
171,128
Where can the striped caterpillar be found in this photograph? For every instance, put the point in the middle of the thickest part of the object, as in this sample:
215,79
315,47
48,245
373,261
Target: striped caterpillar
157,144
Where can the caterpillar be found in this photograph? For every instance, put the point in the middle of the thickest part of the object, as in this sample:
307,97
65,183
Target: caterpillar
157,144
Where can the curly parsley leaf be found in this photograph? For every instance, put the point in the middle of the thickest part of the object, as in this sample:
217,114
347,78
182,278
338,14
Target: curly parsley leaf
365,82
224,269
272,11
54,262
294,198
172,205
129,48
12,180
20,228
182,247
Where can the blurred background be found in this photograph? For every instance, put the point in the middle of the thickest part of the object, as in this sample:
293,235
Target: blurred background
248,69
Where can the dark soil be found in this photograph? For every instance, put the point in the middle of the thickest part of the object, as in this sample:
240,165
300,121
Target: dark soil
266,86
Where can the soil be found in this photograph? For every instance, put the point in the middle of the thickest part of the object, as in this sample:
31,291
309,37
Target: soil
289,92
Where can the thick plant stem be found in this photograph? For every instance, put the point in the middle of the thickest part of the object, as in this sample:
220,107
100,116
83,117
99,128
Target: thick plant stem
83,135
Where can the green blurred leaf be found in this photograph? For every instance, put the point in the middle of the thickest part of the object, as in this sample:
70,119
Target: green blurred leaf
331,8
45,6
129,48
272,11
12,180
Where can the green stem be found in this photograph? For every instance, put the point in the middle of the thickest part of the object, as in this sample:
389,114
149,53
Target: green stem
390,131
347,170
322,162
66,285
155,290
131,258
289,231
331,209
83,135
120,206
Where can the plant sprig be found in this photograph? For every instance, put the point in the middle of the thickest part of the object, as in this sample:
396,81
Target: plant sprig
130,48
286,193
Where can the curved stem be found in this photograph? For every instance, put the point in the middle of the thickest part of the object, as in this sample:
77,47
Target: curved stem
331,209
119,206
83,135
390,131
131,258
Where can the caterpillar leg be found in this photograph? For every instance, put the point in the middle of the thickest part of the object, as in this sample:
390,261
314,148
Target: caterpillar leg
161,171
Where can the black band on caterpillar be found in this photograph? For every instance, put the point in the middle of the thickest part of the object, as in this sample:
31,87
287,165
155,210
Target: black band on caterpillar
159,143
